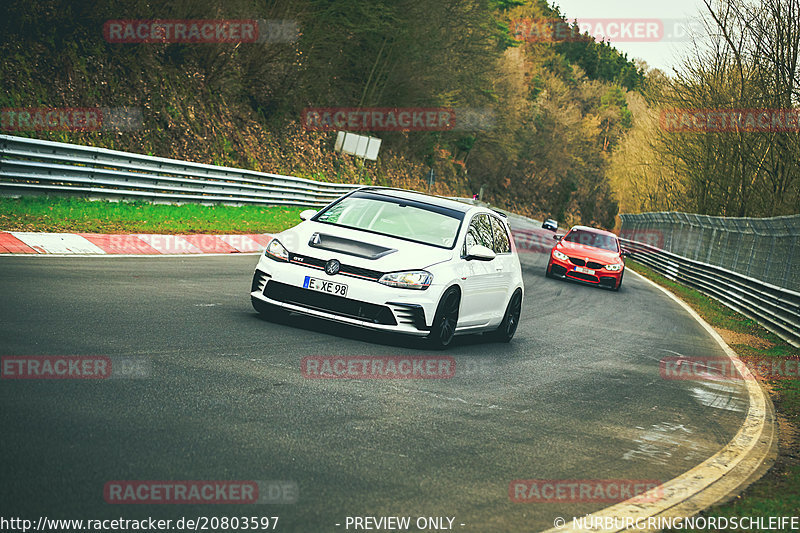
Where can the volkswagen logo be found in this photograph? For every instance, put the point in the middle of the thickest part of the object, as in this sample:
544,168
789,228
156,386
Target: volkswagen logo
332,267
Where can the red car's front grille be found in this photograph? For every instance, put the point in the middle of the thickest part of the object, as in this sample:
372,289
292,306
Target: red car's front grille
581,262
584,277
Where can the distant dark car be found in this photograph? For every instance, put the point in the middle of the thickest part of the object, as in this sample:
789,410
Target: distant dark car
550,224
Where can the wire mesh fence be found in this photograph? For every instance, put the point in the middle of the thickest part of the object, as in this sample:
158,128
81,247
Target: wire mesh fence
767,249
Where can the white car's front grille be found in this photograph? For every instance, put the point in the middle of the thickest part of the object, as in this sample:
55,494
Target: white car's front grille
344,269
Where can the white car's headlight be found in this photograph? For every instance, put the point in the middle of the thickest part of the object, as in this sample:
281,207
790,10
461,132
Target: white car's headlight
415,279
560,256
614,268
275,250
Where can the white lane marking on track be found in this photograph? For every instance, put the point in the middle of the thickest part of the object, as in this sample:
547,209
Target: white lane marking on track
58,243
718,396
465,402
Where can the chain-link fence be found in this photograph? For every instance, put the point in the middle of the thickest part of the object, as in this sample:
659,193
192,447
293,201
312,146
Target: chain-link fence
767,249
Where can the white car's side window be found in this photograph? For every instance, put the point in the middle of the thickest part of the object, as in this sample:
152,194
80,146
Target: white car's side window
485,231
501,242
479,232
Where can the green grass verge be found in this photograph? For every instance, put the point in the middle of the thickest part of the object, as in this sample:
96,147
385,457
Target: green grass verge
778,492
51,214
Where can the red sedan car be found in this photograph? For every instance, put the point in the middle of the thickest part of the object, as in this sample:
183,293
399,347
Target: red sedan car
589,255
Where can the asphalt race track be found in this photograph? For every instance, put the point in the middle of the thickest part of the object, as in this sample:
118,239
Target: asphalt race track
576,395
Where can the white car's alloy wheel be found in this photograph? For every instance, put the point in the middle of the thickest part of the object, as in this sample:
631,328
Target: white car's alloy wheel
445,320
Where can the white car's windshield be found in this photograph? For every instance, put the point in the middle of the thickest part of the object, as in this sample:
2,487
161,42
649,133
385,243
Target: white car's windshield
396,217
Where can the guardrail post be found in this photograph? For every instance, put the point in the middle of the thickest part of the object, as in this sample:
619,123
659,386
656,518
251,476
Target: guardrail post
752,250
790,261
699,238
769,257
739,233
723,259
686,239
711,245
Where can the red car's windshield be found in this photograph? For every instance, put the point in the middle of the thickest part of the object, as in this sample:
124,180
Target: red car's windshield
596,240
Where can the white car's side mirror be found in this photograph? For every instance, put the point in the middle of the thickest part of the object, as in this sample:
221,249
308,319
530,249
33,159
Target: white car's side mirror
481,253
308,213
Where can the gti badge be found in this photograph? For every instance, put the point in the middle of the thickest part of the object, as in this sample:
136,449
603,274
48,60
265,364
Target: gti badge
332,267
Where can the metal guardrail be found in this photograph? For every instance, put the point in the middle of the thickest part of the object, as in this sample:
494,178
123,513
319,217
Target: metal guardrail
775,308
31,166
767,249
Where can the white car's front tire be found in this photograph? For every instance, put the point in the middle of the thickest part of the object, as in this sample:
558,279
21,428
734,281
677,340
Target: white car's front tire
445,320
508,327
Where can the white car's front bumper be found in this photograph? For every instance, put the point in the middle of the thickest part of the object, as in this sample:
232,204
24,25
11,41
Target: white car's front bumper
368,304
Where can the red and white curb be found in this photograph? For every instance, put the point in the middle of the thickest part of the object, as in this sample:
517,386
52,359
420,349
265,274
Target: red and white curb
24,242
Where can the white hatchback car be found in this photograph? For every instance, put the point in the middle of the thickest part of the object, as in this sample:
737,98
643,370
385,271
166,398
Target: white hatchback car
396,260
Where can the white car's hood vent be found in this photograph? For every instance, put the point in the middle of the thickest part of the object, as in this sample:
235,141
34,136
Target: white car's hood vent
348,246
360,249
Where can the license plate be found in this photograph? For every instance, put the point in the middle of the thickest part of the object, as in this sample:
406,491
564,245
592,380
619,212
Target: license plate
324,285
584,270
